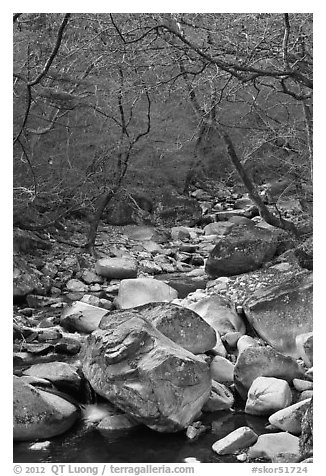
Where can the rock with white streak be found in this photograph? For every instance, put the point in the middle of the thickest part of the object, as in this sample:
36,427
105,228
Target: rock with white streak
236,440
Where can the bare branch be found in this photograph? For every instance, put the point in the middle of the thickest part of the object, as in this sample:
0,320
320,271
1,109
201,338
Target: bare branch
286,40
53,53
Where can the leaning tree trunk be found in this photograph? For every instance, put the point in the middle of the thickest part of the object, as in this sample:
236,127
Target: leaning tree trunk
279,222
102,203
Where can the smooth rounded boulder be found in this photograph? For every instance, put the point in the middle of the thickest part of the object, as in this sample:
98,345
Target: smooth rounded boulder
183,326
267,395
142,372
281,313
255,362
136,292
38,414
116,268
244,249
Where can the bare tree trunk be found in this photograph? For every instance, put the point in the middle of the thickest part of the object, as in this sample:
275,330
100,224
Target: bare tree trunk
102,203
279,222
309,129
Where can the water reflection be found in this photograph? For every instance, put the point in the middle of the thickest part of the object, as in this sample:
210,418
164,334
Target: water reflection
85,444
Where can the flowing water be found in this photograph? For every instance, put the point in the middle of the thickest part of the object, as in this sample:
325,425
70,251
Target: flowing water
85,444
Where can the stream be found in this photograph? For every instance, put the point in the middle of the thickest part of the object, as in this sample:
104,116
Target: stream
85,444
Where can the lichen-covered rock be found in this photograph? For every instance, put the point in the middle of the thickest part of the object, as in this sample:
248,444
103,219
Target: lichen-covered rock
256,362
289,418
280,313
267,395
145,374
244,249
38,414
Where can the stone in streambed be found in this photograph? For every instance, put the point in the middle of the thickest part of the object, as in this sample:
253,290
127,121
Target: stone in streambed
221,398
116,425
183,326
136,292
289,419
116,268
81,317
282,312
236,440
256,362
274,445
304,344
267,395
222,369
38,414
243,250
219,313
59,373
145,374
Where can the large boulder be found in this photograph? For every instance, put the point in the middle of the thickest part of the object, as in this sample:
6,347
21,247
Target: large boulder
183,326
136,292
282,312
38,414
82,317
219,312
244,249
256,362
145,374
174,208
116,268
